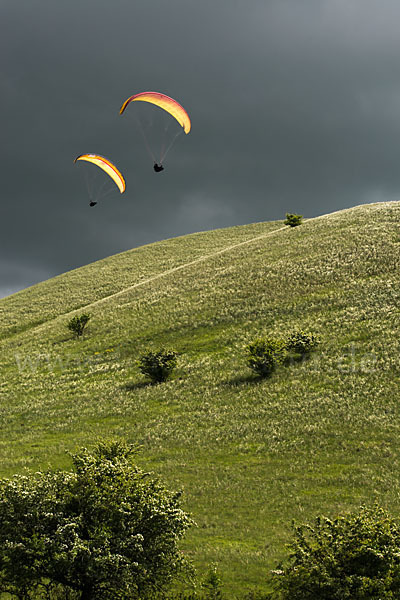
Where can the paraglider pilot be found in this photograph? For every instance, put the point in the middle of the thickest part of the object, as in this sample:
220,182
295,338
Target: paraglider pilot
91,203
158,168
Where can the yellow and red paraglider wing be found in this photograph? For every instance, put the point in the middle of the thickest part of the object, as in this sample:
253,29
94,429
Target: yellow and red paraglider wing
165,102
107,166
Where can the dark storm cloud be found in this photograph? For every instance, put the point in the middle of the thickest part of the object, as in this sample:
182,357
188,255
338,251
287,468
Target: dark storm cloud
294,105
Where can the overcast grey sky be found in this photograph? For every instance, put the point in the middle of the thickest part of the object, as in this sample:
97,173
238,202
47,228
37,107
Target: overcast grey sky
295,106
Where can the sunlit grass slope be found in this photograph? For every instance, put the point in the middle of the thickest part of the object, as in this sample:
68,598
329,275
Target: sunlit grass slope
317,437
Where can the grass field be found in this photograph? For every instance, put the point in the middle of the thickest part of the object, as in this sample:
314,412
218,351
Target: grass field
251,455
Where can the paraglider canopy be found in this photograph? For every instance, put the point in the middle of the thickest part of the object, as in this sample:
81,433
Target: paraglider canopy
107,166
166,103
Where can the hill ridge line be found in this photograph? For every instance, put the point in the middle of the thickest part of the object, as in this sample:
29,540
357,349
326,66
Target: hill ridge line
155,277
195,261
175,269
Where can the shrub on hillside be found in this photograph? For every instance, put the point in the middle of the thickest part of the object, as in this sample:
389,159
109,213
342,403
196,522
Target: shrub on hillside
208,589
102,531
212,585
301,342
77,324
264,354
293,220
353,557
158,365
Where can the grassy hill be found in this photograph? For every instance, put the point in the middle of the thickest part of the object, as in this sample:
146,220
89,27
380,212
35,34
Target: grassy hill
317,437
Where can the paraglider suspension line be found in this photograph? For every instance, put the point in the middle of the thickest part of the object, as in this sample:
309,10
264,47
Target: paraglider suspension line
103,193
89,191
145,140
164,153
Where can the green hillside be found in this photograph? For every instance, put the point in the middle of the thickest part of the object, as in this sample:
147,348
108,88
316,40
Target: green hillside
251,455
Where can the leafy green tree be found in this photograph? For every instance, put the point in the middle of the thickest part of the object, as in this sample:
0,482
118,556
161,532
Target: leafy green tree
293,220
78,323
158,365
264,354
353,557
104,530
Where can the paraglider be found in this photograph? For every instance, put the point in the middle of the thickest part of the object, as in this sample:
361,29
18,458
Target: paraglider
169,106
165,102
109,168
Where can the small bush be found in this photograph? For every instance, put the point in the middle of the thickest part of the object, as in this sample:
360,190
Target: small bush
158,365
212,585
293,220
264,354
301,342
78,323
353,557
